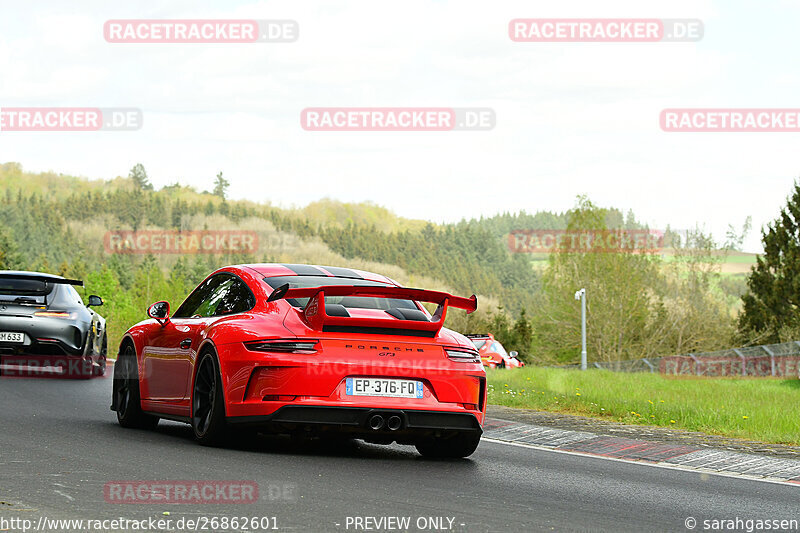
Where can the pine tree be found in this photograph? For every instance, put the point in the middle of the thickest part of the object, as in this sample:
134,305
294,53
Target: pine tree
9,254
771,307
221,186
139,176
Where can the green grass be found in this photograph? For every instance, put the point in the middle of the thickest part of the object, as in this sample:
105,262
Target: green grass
762,409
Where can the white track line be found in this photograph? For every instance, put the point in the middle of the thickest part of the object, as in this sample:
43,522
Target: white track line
667,466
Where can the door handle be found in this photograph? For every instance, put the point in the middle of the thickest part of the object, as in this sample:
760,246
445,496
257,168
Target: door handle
186,343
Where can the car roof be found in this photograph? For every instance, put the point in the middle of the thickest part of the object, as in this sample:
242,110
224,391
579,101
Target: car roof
269,270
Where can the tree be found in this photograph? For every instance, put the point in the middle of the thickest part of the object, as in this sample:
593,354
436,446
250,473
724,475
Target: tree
771,307
9,254
221,186
735,240
637,305
139,176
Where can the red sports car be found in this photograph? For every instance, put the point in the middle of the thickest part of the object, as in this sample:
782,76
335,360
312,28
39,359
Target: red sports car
493,354
304,349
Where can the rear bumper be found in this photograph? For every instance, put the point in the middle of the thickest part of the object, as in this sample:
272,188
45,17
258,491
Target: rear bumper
43,336
355,421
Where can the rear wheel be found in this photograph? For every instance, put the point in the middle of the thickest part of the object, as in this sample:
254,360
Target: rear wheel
125,388
462,445
208,403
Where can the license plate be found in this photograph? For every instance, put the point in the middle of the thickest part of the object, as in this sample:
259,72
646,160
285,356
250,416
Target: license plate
392,388
7,336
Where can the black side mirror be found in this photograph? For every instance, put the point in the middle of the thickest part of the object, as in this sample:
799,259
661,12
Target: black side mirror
94,301
159,311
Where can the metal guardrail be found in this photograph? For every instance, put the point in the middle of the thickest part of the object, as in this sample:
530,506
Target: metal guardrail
781,360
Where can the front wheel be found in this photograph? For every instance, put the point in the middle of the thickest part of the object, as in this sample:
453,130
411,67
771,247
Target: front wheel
462,445
208,403
127,401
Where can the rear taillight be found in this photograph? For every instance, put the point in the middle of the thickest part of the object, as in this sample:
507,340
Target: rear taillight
306,346
55,314
462,355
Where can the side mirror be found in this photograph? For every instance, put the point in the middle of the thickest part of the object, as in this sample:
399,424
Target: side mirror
513,354
159,311
94,301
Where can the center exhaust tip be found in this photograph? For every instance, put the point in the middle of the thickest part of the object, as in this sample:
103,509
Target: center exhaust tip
394,423
376,422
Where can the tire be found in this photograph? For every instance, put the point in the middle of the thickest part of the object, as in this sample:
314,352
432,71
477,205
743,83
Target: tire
501,364
126,392
85,368
208,402
462,445
102,361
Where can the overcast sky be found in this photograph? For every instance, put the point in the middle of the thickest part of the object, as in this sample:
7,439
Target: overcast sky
572,118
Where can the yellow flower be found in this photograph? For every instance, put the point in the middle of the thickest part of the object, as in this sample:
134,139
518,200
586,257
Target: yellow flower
651,402
661,401
652,416
671,421
577,394
744,417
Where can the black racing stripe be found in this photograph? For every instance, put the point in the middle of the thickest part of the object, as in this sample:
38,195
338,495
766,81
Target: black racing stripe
340,272
379,331
305,270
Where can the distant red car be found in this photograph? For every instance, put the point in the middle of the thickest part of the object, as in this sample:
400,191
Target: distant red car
493,354
308,350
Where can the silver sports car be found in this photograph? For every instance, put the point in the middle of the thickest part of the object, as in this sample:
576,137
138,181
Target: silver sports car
45,328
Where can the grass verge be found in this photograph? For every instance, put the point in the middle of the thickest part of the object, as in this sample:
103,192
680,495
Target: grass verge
762,409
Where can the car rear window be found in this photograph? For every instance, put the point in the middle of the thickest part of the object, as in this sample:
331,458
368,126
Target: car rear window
23,287
350,302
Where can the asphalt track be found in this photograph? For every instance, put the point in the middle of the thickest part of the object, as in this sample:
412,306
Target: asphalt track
60,445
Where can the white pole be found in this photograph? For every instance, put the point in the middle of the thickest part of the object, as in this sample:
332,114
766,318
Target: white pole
581,295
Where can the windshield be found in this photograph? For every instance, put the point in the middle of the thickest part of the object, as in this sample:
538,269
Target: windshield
498,348
479,343
350,302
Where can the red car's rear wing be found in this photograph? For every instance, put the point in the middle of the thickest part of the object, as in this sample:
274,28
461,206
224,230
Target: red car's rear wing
315,317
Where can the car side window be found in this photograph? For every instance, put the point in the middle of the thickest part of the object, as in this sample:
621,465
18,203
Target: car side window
237,299
208,307
201,295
